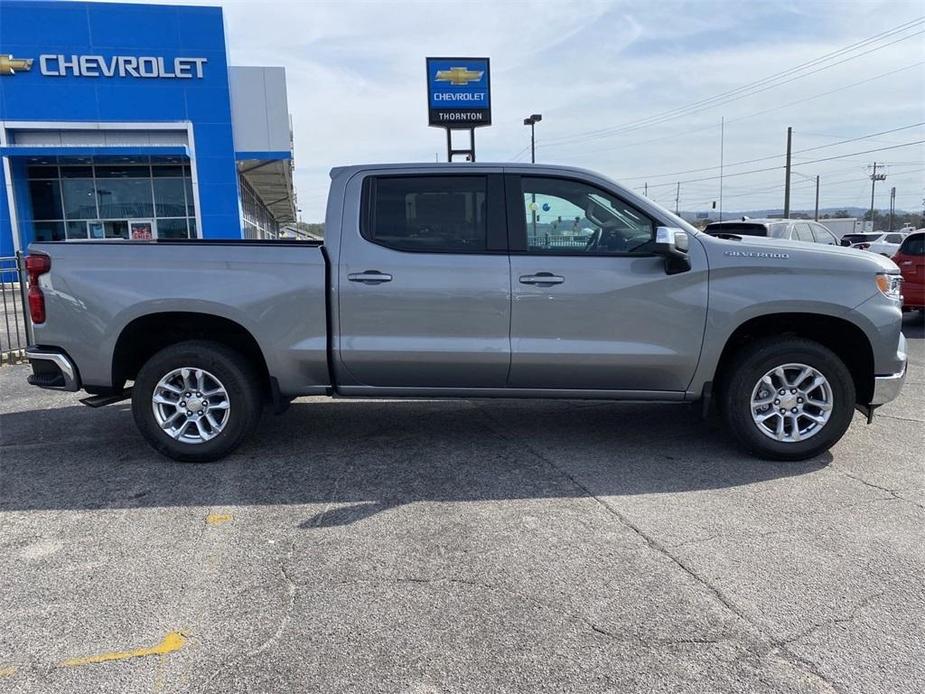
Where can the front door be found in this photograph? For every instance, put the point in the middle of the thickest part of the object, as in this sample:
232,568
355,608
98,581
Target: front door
592,307
424,285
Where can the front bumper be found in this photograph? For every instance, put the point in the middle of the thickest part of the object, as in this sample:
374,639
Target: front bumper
886,388
52,370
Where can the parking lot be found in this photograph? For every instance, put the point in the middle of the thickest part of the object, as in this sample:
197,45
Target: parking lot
430,546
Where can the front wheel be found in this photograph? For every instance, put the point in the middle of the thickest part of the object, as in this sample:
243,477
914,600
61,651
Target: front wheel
196,401
788,399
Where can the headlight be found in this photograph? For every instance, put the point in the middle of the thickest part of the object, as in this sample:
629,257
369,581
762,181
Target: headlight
890,285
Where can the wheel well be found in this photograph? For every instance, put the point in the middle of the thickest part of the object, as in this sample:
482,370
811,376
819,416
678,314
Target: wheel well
145,336
844,338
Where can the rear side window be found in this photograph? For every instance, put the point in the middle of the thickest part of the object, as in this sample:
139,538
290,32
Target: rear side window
913,245
894,238
802,232
823,235
436,214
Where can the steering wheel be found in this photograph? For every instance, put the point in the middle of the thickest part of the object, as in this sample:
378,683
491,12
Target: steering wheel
593,240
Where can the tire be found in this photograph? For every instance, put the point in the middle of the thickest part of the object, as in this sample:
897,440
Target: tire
766,440
231,403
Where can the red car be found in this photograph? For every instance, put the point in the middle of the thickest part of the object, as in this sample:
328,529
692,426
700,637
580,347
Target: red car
911,260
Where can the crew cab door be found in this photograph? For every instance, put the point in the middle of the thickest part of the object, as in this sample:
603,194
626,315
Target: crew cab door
593,307
423,283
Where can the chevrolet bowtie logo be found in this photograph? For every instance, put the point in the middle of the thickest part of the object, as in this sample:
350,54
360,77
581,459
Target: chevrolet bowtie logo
10,65
458,76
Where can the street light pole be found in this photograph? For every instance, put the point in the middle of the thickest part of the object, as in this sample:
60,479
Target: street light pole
532,121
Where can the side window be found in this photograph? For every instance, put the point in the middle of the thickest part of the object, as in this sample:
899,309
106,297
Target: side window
823,235
894,238
433,214
565,217
802,232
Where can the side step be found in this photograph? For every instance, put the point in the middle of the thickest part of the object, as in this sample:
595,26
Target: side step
103,400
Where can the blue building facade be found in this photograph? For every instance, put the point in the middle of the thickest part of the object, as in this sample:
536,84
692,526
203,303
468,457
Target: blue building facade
117,121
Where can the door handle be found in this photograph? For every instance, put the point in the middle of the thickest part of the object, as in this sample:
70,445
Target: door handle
370,277
542,278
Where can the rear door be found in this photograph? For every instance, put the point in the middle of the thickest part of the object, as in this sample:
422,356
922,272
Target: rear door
424,284
593,308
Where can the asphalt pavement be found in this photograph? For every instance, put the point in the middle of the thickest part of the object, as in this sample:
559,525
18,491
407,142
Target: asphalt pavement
460,546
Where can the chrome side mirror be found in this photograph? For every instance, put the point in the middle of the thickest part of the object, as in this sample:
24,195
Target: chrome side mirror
673,244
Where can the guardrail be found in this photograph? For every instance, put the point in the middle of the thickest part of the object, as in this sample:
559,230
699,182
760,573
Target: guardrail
15,327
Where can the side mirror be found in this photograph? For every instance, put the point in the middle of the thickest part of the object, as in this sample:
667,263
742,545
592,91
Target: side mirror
672,243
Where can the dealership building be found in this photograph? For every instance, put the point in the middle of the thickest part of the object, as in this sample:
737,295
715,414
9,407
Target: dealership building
126,122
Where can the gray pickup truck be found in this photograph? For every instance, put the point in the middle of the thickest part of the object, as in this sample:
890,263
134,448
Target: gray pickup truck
472,280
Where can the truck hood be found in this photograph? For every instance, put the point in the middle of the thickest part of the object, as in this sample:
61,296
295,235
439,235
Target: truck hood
829,257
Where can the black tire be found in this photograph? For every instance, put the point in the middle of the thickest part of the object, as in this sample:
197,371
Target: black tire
760,357
239,378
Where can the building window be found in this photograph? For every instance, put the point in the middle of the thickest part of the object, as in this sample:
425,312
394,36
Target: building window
259,222
99,201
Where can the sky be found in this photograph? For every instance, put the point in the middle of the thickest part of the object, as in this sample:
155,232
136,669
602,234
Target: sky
620,85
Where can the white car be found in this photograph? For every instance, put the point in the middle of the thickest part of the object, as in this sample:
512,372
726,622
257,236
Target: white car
888,244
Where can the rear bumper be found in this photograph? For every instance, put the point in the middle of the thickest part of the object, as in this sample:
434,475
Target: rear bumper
886,388
52,370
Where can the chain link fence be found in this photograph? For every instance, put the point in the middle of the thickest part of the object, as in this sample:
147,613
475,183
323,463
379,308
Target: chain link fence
14,310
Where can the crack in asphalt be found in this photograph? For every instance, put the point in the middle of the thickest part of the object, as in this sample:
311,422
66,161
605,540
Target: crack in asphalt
895,493
777,645
495,587
805,633
292,588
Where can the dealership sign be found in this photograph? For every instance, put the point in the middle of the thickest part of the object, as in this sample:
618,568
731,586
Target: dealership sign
458,92
145,66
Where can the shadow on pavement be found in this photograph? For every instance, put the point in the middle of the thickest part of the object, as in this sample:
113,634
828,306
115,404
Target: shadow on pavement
358,458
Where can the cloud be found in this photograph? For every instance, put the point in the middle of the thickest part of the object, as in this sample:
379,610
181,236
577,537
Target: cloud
356,86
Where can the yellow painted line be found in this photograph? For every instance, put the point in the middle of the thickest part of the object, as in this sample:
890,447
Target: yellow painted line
218,518
172,642
7,671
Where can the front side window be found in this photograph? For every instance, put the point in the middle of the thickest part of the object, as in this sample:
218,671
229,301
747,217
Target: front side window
435,214
894,238
569,217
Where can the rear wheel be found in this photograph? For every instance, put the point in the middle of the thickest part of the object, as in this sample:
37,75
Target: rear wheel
196,401
788,399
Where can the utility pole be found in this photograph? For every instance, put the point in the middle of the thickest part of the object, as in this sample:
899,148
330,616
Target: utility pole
677,200
874,177
816,217
645,189
892,205
787,176
722,142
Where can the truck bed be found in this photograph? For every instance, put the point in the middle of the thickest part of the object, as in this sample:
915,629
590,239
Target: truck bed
275,290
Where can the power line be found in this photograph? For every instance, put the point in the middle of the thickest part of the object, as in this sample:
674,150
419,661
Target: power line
775,156
752,88
779,167
712,126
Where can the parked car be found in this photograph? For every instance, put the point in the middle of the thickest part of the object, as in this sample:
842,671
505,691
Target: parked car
428,285
911,261
888,244
789,229
862,241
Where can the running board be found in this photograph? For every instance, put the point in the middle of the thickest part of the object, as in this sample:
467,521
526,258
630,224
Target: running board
103,400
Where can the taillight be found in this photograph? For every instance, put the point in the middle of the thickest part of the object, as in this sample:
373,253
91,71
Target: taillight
37,265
